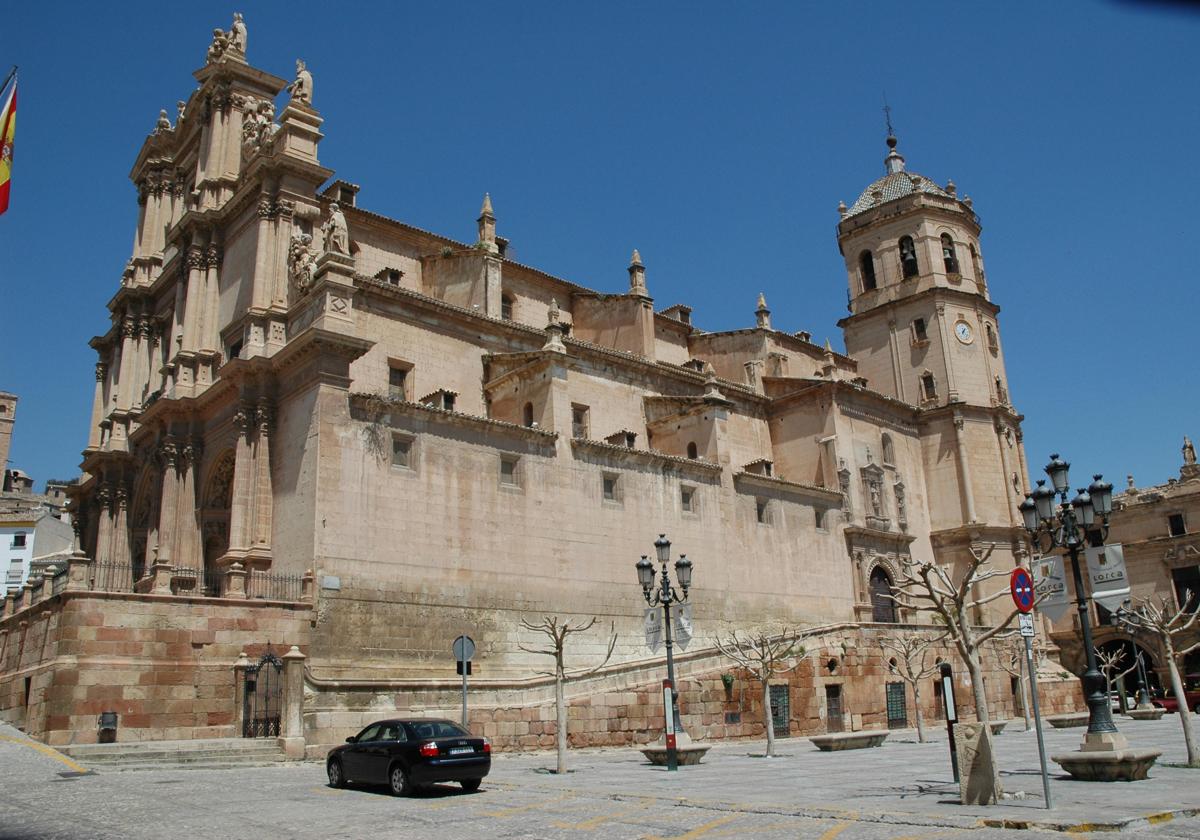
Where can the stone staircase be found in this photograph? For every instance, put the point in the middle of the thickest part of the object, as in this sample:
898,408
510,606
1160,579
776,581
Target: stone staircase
204,754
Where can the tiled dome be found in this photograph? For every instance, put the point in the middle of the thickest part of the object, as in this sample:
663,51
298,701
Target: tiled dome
895,184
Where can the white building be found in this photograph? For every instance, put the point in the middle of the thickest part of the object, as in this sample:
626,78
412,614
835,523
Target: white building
26,536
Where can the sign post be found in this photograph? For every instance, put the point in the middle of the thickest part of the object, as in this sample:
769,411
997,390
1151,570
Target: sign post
1022,588
951,712
464,649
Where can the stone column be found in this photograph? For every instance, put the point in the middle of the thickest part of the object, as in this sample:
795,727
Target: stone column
263,496
168,453
191,308
964,469
943,332
293,704
97,405
189,546
241,511
104,530
209,338
124,372
120,528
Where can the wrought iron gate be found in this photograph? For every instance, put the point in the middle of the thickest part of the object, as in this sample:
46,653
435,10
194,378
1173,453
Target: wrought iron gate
833,709
897,708
262,697
780,711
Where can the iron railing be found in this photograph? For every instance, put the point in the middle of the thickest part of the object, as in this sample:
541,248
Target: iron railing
274,586
196,581
112,577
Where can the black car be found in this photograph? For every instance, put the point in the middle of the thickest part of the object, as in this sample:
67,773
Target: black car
407,754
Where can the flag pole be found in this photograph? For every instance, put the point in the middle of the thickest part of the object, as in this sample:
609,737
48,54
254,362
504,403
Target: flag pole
12,74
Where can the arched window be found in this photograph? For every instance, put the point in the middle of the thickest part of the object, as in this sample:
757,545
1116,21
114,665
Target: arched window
949,257
527,416
692,453
908,257
866,264
883,608
991,338
889,451
976,264
928,386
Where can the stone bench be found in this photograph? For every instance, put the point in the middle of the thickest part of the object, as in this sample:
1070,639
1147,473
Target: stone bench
848,740
1153,713
687,751
1068,720
997,726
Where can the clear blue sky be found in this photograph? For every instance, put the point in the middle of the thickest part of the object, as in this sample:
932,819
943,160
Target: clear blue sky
715,137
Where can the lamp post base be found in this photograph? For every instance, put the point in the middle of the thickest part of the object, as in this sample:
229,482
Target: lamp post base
687,751
1106,757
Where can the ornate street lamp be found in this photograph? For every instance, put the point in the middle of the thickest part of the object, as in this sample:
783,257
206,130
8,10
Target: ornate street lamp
1075,525
664,594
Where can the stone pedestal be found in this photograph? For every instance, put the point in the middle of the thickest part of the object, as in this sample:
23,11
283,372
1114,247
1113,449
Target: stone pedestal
687,751
292,735
78,571
1148,713
161,574
235,581
979,783
1107,757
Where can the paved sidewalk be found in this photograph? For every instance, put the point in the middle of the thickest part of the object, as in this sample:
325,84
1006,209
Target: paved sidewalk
900,791
903,782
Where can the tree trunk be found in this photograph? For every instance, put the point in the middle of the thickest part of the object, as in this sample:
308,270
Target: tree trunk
977,688
768,718
560,708
1185,714
916,690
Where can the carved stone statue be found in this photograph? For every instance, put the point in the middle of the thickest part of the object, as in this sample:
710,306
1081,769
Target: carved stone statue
876,499
258,127
181,106
301,262
237,34
301,88
218,47
164,123
1189,451
337,235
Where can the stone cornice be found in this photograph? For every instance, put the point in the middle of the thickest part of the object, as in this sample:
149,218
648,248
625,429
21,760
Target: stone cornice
970,299
797,488
856,533
380,404
644,456
979,533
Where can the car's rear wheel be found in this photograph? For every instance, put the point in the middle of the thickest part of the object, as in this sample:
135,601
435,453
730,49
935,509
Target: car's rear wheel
471,785
333,769
398,781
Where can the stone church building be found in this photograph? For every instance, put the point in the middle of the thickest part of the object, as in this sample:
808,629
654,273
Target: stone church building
316,426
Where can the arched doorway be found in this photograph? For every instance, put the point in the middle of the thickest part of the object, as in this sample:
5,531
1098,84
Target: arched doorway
143,522
883,607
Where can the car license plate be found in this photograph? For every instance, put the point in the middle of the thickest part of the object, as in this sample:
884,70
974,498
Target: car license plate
461,750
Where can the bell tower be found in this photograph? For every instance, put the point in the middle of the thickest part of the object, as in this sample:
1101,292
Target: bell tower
924,330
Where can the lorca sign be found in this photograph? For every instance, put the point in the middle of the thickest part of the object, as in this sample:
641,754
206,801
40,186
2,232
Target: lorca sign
1106,573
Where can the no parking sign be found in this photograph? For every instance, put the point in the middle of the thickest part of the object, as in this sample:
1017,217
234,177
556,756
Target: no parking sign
1021,585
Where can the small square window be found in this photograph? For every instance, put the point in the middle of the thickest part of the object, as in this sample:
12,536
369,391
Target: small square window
762,510
508,472
687,499
919,332
579,422
611,488
1176,525
819,516
402,452
18,540
398,382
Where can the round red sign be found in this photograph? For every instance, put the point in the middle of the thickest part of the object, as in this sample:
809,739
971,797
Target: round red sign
1021,585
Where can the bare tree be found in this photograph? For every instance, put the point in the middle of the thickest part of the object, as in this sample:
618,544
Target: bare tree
765,655
911,665
1110,663
556,631
927,587
1158,619
1010,653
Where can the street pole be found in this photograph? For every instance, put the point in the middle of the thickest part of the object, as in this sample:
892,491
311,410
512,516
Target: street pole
1031,670
672,711
1095,691
951,712
465,665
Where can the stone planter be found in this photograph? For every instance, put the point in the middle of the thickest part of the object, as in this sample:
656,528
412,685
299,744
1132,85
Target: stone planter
997,726
1114,766
687,751
848,740
1069,720
1153,713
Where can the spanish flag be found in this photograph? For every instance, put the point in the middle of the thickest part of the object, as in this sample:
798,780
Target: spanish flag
8,125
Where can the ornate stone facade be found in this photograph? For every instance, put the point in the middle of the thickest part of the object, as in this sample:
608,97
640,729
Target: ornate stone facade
263,418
